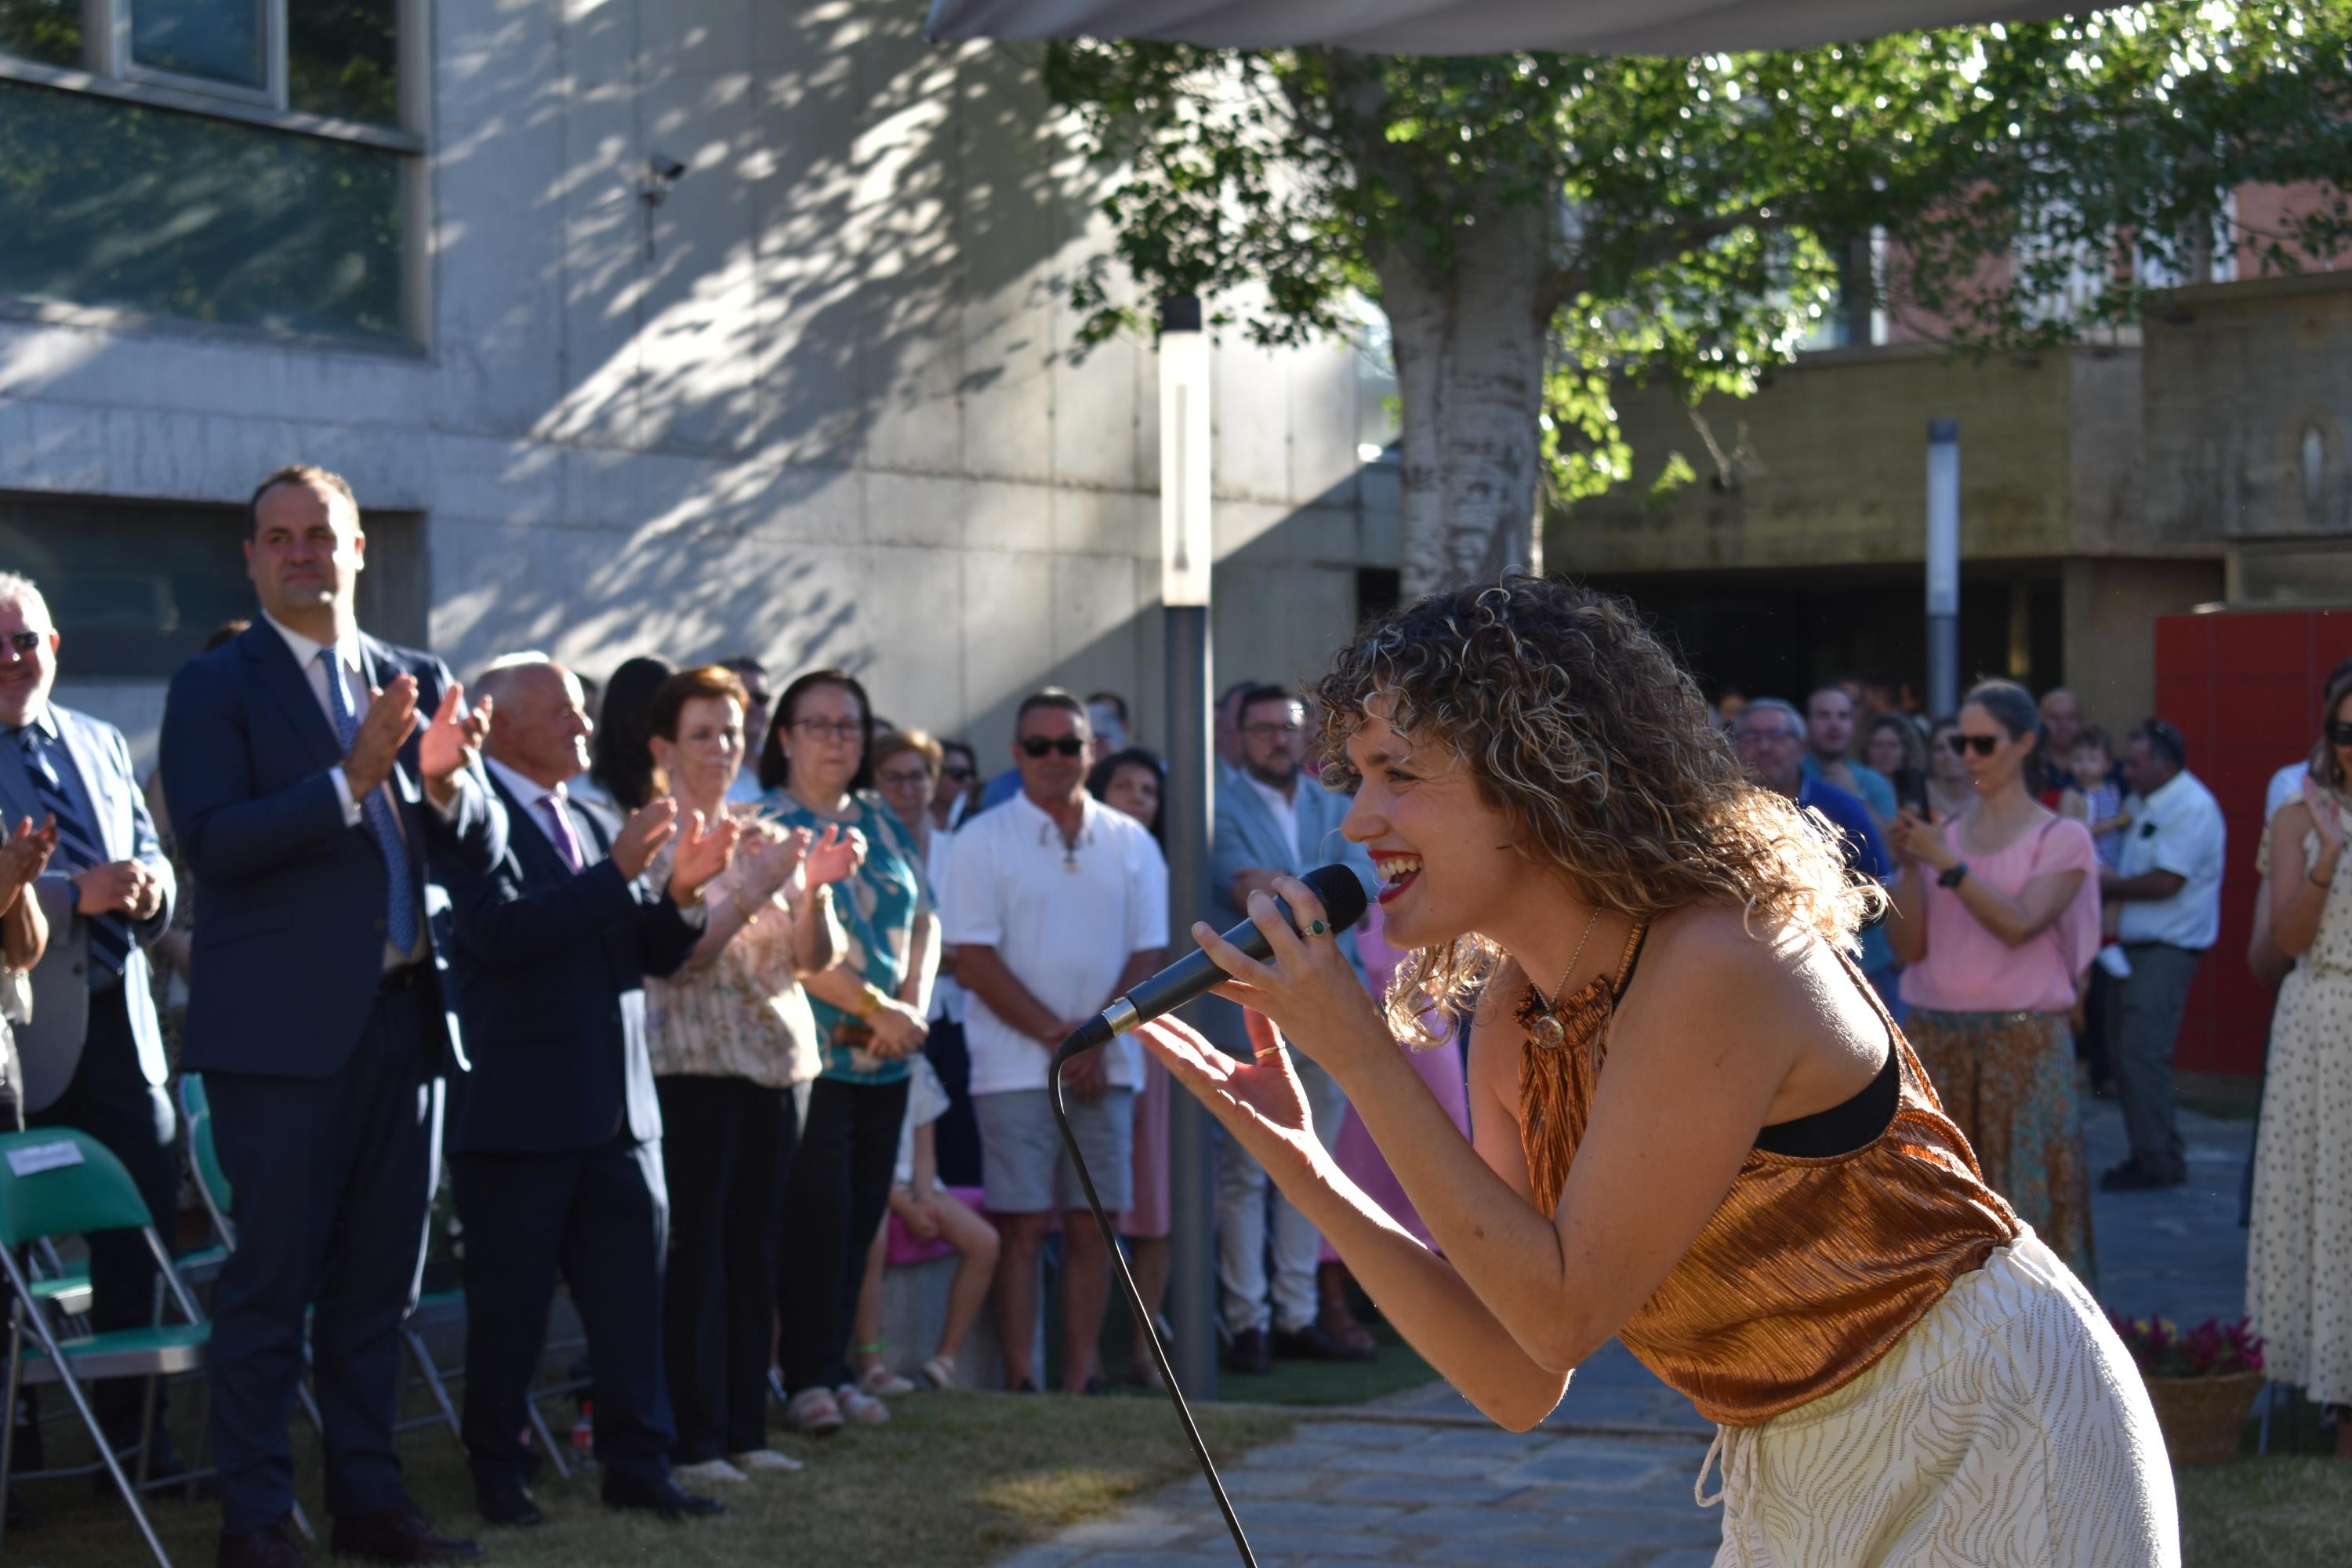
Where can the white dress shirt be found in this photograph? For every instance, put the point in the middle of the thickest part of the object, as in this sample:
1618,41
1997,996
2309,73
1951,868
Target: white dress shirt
2179,828
532,793
1285,808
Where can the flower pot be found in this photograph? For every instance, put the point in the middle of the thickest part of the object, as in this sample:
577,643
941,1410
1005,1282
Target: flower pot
2202,1416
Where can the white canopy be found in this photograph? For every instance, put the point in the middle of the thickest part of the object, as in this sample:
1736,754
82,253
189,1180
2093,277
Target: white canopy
1477,27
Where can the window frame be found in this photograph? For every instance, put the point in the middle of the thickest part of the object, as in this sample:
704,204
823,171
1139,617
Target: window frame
107,72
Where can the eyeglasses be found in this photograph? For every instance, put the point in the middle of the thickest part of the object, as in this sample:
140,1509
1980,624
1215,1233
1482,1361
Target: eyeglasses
1983,745
2339,734
27,643
1038,746
842,730
1273,728
905,778
958,771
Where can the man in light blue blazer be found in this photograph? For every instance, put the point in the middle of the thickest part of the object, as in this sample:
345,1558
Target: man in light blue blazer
1273,820
93,1054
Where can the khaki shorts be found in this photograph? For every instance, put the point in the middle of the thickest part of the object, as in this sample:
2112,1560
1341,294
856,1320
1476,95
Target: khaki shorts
1024,1165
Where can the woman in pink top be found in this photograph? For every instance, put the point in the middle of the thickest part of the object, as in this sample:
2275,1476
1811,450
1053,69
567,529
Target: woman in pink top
1996,917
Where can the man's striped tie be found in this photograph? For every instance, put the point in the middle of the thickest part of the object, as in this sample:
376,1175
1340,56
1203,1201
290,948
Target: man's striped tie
77,848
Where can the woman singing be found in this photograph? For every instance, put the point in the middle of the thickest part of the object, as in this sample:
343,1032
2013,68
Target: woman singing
1695,1127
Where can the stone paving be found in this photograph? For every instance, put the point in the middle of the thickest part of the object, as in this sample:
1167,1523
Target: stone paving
1605,1482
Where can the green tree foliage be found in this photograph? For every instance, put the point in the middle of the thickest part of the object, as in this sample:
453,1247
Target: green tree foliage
1682,219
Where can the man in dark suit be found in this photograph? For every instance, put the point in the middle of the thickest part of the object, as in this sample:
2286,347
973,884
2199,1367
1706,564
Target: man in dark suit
93,1054
557,1148
307,784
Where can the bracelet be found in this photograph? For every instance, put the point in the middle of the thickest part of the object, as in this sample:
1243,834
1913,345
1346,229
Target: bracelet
872,1001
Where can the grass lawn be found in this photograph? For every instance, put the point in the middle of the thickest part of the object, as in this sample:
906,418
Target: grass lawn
2288,1510
1306,1382
954,1481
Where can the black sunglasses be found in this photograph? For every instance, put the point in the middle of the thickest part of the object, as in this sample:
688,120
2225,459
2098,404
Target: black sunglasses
26,643
2339,734
1962,745
1069,745
957,771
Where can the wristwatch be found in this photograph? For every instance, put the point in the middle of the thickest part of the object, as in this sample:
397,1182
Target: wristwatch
1953,876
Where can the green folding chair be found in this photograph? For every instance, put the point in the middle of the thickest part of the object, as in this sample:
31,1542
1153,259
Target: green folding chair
60,1182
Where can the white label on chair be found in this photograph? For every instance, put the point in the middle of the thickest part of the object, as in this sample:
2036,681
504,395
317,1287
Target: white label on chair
32,1160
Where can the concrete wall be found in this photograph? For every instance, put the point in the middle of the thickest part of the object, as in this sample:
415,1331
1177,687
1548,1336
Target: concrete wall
820,402
1829,463
2110,609
2249,396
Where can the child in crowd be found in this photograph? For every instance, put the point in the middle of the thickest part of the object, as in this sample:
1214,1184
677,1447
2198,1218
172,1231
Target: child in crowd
2092,797
925,1215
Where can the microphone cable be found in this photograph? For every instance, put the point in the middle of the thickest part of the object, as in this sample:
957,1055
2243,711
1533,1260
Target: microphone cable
1146,1319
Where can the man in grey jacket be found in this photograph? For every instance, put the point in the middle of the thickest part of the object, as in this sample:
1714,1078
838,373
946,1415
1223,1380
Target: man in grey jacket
93,1054
1272,820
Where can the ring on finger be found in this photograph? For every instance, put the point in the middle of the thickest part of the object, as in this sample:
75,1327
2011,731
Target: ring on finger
1317,928
1268,1053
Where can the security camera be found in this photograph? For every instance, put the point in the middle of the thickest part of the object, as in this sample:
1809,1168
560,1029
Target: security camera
664,169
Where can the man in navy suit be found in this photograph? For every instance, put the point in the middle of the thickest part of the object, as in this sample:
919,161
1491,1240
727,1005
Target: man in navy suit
93,1054
1272,820
306,783
557,1147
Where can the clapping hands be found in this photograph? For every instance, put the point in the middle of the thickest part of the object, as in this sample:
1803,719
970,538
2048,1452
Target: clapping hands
24,857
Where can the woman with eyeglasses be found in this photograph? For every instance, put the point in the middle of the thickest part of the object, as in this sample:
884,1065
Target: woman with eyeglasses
1996,918
873,1013
2299,1252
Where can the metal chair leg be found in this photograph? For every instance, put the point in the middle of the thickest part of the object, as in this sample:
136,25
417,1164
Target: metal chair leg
546,1439
422,1355
8,1434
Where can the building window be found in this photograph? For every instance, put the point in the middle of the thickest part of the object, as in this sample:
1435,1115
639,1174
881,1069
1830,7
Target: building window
137,586
242,162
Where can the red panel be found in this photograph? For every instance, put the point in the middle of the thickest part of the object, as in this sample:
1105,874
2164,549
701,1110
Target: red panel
2331,641
2264,714
2259,643
2183,646
2239,780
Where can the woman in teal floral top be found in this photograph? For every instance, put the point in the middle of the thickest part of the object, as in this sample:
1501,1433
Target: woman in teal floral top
871,1013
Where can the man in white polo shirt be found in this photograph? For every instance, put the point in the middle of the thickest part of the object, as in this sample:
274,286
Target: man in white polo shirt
1054,905
2169,881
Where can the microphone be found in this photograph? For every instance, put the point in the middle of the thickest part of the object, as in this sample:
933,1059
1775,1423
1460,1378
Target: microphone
1194,975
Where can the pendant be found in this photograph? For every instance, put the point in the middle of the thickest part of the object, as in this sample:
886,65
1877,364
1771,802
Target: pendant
1547,1033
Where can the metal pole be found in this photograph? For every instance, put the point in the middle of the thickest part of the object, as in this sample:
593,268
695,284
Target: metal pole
1190,810
1943,566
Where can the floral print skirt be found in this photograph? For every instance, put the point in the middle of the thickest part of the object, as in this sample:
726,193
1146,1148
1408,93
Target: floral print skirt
2007,1080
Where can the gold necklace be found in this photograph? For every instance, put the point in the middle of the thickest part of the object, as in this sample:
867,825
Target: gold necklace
1546,1030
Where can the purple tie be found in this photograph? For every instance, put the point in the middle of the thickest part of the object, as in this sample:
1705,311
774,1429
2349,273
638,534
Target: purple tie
566,842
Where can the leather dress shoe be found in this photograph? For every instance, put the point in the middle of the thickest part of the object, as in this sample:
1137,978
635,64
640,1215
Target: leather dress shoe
1249,1354
396,1535
259,1549
666,1498
2132,1176
510,1504
1315,1343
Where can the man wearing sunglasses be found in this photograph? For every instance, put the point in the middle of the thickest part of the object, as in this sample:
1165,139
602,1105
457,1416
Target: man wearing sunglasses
1052,904
2169,881
93,1054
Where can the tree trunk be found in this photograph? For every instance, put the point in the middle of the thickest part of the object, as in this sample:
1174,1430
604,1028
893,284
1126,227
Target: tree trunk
1470,359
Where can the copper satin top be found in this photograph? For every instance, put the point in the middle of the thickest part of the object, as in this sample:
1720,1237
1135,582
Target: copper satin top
1812,1268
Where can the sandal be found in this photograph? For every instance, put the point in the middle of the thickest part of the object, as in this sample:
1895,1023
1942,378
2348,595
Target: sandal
813,1412
882,1382
940,1372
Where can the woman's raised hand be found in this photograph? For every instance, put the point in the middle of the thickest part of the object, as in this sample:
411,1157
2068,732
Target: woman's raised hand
1260,1103
837,854
2324,815
1305,985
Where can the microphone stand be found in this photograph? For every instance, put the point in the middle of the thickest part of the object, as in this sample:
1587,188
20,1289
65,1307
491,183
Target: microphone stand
1145,1319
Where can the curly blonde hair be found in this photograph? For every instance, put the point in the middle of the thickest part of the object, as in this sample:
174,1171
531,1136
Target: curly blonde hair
1576,722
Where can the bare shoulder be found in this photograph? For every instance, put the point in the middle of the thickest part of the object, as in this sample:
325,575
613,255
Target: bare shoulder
1710,973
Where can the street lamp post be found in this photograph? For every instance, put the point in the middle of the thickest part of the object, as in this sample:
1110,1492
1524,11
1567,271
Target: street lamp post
1185,555
1943,566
